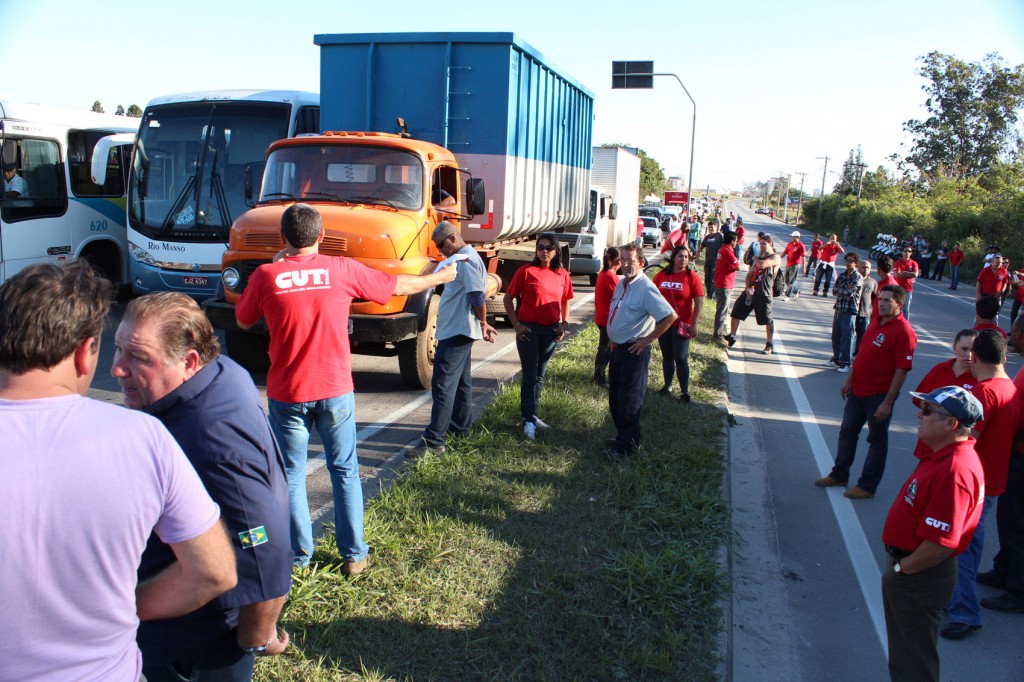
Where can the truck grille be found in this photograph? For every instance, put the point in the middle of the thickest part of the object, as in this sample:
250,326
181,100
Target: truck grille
245,270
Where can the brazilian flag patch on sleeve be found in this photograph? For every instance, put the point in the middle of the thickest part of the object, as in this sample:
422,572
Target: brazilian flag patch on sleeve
252,537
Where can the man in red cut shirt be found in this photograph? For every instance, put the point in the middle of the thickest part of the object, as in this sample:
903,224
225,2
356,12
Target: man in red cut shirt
305,298
995,434
906,271
1008,567
812,260
725,277
956,259
827,267
794,253
993,280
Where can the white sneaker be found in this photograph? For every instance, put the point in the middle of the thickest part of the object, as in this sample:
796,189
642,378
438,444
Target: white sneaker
830,364
785,298
530,430
843,370
796,295
540,424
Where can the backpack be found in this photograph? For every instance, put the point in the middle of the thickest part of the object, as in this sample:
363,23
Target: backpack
778,287
748,257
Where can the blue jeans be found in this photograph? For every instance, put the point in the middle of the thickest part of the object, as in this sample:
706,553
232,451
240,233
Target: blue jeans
954,276
675,357
964,606
534,354
856,412
627,385
792,283
335,421
843,336
451,387
906,305
824,270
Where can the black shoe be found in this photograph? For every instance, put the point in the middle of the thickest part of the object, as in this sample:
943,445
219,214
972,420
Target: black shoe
958,630
665,390
731,340
601,381
992,579
814,293
1006,602
684,398
768,349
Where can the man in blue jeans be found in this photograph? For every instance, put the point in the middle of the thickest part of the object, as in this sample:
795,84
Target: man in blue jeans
886,357
847,291
305,298
461,320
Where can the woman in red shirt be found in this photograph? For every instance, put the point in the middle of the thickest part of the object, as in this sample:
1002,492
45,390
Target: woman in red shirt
537,305
605,287
682,288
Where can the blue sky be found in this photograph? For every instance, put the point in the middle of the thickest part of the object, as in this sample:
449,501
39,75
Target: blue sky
776,84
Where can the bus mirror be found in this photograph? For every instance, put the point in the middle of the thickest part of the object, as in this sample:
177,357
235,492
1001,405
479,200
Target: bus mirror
476,196
613,211
101,155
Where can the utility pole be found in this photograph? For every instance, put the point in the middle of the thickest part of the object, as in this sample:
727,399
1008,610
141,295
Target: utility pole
823,174
800,198
860,179
785,205
778,205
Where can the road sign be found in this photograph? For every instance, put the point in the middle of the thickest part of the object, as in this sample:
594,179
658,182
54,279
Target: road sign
632,75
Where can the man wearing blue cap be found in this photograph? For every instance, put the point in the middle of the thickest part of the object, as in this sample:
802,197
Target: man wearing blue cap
931,521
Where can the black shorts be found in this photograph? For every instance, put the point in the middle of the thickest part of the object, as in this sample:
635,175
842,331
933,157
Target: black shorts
762,307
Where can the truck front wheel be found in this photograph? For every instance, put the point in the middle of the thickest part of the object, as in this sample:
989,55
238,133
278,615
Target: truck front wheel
251,351
416,356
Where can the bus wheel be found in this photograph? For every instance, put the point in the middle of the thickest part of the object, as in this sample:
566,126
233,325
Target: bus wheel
251,351
416,356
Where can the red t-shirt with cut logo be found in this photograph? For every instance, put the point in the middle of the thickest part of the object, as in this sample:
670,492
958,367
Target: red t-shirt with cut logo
679,289
941,501
606,281
830,251
306,302
794,253
884,349
906,265
726,266
998,398
991,282
541,292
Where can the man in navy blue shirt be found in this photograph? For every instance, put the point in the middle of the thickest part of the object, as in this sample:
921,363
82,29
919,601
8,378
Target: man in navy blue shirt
168,364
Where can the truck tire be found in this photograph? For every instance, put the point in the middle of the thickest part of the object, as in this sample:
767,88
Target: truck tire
416,356
251,351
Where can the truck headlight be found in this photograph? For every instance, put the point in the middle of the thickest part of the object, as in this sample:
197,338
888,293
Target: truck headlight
230,277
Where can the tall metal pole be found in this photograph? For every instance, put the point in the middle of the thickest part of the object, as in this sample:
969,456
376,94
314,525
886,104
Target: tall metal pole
693,132
778,204
785,205
823,173
800,198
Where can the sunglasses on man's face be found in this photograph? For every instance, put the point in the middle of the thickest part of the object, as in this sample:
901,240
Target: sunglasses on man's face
927,410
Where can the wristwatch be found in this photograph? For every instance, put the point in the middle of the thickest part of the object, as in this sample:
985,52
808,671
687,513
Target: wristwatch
257,650
896,568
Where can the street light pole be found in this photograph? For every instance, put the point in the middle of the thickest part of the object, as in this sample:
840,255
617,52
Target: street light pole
824,172
785,205
623,76
778,205
800,198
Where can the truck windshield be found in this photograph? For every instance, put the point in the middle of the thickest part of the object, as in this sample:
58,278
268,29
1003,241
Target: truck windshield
345,173
188,176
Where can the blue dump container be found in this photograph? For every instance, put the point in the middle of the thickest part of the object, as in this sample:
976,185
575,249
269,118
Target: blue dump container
508,115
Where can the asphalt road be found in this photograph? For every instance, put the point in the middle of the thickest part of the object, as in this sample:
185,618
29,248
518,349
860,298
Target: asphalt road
807,578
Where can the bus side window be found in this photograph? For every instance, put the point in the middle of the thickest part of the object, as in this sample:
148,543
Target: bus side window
46,191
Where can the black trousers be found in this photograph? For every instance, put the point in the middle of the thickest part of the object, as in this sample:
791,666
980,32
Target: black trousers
1009,561
913,608
627,385
601,361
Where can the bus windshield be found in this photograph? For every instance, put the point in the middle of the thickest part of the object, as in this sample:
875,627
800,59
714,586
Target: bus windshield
188,175
344,173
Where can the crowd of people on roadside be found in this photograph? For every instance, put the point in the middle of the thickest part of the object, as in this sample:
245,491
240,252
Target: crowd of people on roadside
184,515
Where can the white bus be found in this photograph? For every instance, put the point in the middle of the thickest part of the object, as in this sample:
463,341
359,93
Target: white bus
193,156
50,208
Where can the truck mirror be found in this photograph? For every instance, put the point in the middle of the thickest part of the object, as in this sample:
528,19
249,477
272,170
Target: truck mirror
613,211
253,180
476,196
248,186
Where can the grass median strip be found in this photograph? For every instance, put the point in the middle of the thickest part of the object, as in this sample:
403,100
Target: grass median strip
510,559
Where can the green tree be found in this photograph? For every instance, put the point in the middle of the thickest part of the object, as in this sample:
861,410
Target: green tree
134,111
850,176
97,107
652,177
973,120
119,111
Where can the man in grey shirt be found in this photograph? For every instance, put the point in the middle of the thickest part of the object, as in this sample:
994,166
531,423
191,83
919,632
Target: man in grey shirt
868,293
461,320
638,314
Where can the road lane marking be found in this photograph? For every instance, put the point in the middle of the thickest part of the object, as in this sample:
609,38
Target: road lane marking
869,577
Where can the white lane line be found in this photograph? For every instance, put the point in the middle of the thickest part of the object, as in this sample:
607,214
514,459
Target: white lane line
863,559
317,461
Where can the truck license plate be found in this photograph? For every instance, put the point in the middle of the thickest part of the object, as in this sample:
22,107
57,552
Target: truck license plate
196,281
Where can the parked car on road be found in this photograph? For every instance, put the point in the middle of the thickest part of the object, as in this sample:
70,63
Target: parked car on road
652,233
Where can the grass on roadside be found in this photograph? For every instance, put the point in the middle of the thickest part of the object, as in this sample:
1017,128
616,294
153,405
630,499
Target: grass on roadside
508,559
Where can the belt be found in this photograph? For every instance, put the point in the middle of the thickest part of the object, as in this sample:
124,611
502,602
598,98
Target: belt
897,553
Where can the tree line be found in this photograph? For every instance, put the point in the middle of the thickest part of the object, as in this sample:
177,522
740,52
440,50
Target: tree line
959,179
134,110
